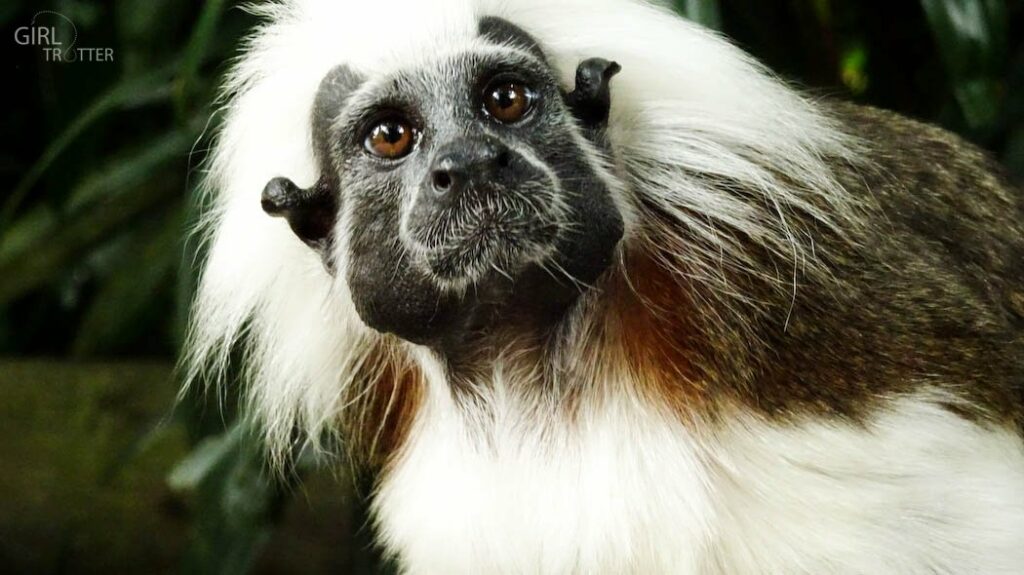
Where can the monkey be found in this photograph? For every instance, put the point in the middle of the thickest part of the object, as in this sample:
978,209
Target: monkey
587,289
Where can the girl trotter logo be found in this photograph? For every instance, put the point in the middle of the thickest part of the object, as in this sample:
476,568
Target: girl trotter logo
42,33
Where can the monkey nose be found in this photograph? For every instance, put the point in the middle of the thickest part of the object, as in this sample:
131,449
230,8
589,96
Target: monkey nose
441,180
459,164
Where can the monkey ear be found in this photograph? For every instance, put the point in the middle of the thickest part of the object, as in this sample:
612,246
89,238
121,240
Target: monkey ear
501,31
310,212
590,101
334,92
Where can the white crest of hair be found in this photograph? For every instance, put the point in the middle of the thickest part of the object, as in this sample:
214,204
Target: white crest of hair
502,485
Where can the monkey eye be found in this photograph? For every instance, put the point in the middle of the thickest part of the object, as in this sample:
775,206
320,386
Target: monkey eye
508,101
391,138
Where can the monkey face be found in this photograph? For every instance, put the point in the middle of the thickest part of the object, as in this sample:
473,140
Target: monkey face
460,194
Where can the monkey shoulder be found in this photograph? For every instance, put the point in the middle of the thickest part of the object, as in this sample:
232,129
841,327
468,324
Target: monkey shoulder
938,279
922,174
934,196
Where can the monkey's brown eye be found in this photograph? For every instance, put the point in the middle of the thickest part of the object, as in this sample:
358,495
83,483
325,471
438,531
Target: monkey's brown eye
508,101
391,138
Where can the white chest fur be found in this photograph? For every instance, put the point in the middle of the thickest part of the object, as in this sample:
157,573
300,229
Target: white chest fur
918,490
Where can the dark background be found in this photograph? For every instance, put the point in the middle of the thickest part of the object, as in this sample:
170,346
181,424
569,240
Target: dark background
99,471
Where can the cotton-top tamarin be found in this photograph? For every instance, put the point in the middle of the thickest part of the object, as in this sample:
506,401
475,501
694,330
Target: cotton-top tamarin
588,290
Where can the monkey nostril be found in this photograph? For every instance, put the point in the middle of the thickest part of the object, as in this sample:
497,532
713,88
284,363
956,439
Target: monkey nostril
442,180
504,159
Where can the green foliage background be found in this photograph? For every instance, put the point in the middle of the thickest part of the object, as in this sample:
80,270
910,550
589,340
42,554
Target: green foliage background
100,163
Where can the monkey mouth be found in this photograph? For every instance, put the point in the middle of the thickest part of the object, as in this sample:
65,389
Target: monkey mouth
494,240
493,246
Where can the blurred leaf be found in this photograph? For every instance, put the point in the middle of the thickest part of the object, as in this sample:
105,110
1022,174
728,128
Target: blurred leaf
196,51
55,253
972,37
19,236
980,102
128,294
150,87
132,168
212,451
853,69
121,175
704,12
148,32
131,185
237,504
139,19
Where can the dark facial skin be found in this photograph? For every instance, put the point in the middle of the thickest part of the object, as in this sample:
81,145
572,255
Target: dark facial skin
462,200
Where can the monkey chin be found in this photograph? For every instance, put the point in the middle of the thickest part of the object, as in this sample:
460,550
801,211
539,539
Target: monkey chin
502,276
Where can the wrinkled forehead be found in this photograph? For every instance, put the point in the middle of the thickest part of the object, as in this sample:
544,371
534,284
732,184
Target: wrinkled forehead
446,77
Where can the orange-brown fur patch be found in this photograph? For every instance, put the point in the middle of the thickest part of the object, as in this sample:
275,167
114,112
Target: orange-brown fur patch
654,315
389,400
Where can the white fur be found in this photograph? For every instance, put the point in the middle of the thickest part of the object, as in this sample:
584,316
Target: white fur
915,491
504,487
